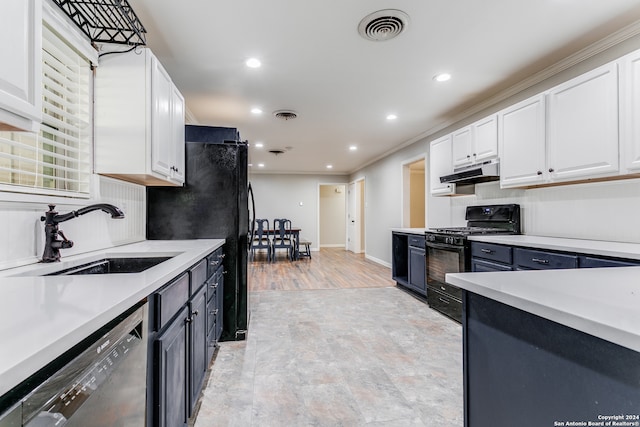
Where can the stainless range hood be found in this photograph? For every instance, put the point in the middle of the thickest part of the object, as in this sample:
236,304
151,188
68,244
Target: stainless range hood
473,174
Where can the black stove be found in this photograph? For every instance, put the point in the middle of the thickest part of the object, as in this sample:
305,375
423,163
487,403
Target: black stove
449,251
488,219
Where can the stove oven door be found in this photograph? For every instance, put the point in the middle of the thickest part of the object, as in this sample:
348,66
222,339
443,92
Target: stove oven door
441,296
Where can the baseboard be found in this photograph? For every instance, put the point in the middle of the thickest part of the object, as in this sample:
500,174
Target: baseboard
378,261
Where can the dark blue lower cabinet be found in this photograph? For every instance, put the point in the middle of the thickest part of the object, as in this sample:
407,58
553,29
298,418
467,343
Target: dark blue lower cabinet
171,349
523,370
197,346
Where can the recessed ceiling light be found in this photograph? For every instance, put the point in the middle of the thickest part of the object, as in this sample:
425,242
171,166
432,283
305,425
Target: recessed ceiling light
253,63
442,77
353,148
256,111
392,117
260,165
329,166
259,145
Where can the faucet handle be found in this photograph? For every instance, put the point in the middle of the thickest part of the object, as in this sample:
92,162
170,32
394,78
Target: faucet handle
61,234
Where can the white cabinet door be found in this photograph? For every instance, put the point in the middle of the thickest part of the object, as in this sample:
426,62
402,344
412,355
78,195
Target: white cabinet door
140,112
161,121
177,116
485,139
21,69
440,164
462,141
521,140
630,112
583,126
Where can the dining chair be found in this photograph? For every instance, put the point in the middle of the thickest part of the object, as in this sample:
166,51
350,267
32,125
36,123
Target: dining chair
261,239
283,238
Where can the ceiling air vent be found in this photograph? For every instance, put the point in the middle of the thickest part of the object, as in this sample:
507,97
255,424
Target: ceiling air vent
285,114
276,151
383,25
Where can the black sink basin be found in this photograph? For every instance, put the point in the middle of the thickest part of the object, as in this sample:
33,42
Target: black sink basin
112,266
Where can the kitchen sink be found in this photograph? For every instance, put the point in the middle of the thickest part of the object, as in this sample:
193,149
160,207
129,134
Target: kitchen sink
113,266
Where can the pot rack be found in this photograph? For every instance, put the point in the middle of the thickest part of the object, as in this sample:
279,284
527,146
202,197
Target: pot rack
105,21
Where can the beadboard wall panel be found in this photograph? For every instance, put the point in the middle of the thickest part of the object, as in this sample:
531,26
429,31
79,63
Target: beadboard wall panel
596,211
24,231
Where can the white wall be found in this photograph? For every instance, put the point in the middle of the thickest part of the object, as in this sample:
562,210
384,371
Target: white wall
333,228
596,211
23,239
294,197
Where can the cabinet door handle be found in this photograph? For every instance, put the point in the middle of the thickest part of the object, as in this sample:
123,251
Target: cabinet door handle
214,312
443,288
550,169
195,313
540,261
443,300
215,263
468,156
214,286
540,172
187,320
486,251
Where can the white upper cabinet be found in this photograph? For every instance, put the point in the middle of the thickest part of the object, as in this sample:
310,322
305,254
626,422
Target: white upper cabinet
521,140
21,69
583,126
439,165
475,143
462,146
139,120
630,113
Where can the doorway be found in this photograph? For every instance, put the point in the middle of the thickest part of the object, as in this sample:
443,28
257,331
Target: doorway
413,193
355,217
332,214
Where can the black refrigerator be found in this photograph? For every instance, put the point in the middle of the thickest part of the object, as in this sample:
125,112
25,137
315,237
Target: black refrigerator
213,204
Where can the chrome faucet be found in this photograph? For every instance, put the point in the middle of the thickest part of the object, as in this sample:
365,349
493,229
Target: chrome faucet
51,220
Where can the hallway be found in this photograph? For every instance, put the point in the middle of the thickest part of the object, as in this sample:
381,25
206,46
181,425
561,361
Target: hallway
326,355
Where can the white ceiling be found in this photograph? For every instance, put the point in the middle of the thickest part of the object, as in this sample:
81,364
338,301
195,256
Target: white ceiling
343,86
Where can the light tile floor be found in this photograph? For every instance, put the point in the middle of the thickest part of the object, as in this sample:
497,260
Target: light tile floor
339,357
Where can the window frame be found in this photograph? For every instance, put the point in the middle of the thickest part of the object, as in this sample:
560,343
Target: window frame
67,30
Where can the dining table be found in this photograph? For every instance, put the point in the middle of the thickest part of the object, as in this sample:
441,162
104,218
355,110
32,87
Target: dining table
295,233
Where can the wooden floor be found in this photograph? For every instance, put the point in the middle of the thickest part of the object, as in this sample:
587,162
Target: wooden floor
330,268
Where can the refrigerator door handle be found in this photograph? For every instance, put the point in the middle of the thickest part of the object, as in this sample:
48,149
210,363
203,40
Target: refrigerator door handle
252,228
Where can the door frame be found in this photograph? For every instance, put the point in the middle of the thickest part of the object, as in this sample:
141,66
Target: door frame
405,194
359,204
320,184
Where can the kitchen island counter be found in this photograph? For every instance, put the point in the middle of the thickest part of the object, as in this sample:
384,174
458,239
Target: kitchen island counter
603,302
41,317
551,346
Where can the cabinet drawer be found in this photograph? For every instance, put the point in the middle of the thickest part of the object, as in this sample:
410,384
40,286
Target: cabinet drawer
417,241
171,299
591,262
480,265
497,253
541,260
446,305
198,275
213,284
446,288
214,261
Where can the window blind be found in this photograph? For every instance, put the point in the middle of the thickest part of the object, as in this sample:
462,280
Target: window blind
57,159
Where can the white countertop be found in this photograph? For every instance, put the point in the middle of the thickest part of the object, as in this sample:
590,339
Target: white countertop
42,317
409,230
592,247
603,302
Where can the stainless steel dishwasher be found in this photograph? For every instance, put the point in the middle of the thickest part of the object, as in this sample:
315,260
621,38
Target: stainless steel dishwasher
102,383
